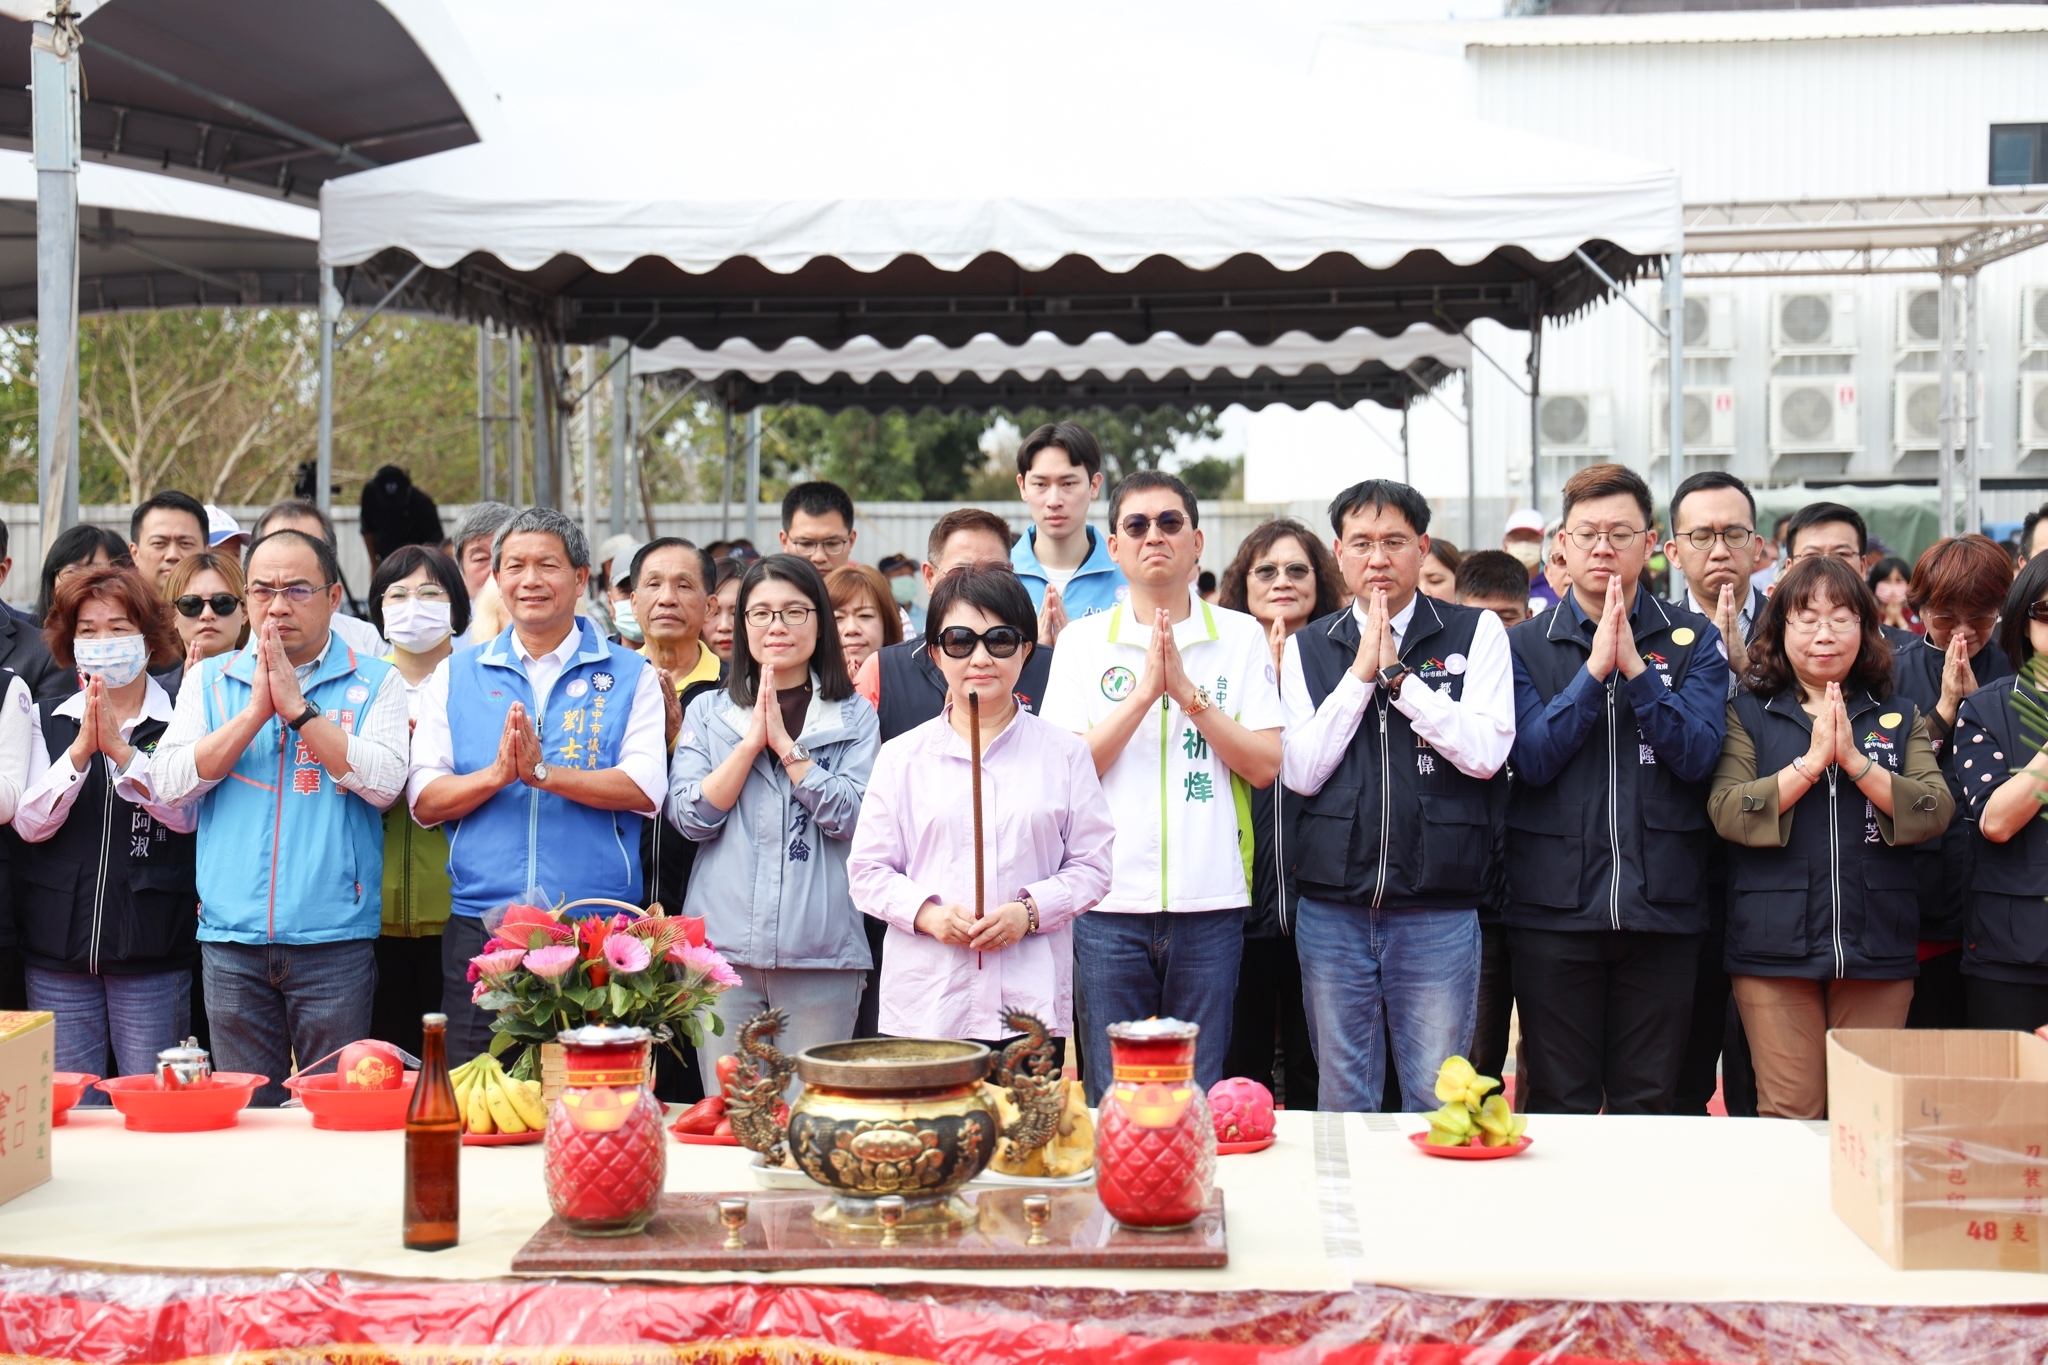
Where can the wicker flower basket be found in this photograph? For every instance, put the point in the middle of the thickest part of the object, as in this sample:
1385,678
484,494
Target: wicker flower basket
554,1064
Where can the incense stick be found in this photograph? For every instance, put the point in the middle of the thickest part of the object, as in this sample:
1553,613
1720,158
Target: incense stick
974,731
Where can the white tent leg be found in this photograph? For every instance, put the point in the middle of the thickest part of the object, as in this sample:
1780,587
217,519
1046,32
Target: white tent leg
486,409
515,454
1674,322
323,452
53,67
1973,520
753,473
1537,492
1945,331
622,423
1406,477
1471,470
725,491
543,424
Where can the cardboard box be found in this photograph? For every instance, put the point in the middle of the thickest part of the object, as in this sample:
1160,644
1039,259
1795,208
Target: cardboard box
28,1039
1939,1145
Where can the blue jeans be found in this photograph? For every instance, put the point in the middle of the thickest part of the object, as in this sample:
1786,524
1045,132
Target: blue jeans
1416,970
271,1003
138,1016
1178,964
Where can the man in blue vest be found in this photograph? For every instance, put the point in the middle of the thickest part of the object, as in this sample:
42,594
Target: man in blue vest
1620,709
292,746
544,746
1400,711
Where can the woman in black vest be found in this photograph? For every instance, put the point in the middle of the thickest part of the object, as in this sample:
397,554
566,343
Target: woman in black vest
2005,952
1825,782
1957,588
107,895
1284,577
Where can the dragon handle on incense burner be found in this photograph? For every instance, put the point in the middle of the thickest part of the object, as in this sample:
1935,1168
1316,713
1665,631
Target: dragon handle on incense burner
1025,1069
758,1085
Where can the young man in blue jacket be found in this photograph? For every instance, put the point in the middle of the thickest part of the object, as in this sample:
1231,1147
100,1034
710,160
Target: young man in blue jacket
292,747
1064,565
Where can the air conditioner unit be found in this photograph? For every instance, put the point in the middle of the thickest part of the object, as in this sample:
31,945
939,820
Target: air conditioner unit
1817,412
2034,318
1709,327
2034,409
1813,321
1709,419
1916,411
1575,423
1920,319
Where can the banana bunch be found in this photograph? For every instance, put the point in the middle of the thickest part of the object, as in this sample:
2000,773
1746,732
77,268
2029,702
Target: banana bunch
1470,1116
492,1102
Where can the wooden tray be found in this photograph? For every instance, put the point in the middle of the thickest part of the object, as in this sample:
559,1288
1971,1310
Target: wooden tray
780,1235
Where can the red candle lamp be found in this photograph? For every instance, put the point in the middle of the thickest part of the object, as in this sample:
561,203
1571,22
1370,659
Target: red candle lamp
1155,1142
606,1158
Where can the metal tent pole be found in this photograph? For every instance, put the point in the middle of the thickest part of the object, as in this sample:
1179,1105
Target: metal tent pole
1471,468
543,424
323,457
53,73
1973,520
622,424
1406,477
1946,332
515,388
486,409
1535,404
1674,323
725,493
753,471
586,436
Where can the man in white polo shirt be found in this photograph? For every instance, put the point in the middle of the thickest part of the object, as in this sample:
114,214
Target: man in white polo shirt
1180,704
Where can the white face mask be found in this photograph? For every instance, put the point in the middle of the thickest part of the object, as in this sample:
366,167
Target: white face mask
115,660
1530,552
623,618
415,626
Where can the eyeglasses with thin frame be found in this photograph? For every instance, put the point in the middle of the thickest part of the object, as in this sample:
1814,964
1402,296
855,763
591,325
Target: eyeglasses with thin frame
791,616
831,545
1810,625
262,594
1137,525
1620,537
1703,537
958,642
223,604
1390,546
1297,572
424,592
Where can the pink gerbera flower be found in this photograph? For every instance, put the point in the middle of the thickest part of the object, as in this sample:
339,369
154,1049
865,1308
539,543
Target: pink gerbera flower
705,963
627,953
551,964
495,967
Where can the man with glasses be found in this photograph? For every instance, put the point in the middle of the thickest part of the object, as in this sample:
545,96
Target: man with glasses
292,747
817,523
1178,702
1716,545
1829,528
1400,711
1620,708
545,746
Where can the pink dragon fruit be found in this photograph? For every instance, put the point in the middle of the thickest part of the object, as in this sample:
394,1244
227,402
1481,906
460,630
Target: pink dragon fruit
1243,1109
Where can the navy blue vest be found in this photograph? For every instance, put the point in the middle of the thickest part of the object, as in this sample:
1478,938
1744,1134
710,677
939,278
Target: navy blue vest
2007,937
1615,840
1395,825
1944,864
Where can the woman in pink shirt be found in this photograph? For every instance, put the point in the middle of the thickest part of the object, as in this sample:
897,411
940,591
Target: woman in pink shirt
1046,835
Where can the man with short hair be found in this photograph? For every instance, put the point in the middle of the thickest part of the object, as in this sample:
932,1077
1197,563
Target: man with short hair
163,531
817,523
1715,542
1525,538
2033,534
292,747
544,745
296,514
669,582
1177,701
1620,709
473,537
1062,563
1828,528
1495,581
1399,713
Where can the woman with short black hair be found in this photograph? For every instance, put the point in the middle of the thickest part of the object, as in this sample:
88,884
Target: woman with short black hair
81,547
2005,952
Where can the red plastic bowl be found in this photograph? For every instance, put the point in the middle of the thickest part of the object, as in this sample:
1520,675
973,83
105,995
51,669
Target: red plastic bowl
66,1089
152,1109
352,1111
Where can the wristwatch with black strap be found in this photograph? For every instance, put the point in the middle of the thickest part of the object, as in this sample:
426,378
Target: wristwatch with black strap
1390,677
311,713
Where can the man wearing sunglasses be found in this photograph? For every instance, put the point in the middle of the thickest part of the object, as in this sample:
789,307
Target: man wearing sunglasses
292,747
1179,704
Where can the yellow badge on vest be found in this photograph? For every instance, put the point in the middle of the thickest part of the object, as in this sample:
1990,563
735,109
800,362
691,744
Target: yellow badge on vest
1684,635
1890,718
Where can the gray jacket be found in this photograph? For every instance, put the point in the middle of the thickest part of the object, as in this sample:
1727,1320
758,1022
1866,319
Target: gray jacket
770,879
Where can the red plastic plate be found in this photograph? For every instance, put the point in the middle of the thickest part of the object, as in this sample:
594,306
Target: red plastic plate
1421,1141
66,1089
706,1139
1240,1148
149,1108
501,1139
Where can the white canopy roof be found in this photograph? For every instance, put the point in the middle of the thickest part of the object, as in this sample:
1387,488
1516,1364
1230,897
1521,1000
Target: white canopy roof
1165,148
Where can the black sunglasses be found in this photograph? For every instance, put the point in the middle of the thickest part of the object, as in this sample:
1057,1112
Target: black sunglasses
959,642
1169,522
2037,611
223,604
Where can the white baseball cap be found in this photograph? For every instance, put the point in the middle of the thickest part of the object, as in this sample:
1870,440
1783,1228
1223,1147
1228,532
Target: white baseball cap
1528,519
221,528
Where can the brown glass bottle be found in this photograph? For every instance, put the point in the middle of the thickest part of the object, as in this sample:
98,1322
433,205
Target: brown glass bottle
433,1148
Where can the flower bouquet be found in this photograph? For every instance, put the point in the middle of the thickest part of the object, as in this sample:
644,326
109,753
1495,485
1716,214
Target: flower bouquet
544,971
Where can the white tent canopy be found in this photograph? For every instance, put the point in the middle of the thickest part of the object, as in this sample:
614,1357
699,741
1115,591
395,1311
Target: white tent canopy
899,180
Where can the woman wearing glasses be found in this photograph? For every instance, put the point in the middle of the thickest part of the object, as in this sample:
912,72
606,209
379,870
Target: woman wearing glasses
206,589
1826,781
2005,952
419,602
767,778
1284,577
1046,834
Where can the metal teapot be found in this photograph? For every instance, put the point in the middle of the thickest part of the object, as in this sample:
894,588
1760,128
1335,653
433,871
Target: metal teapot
186,1067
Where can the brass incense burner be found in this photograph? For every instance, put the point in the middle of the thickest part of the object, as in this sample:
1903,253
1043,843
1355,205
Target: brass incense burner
893,1118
